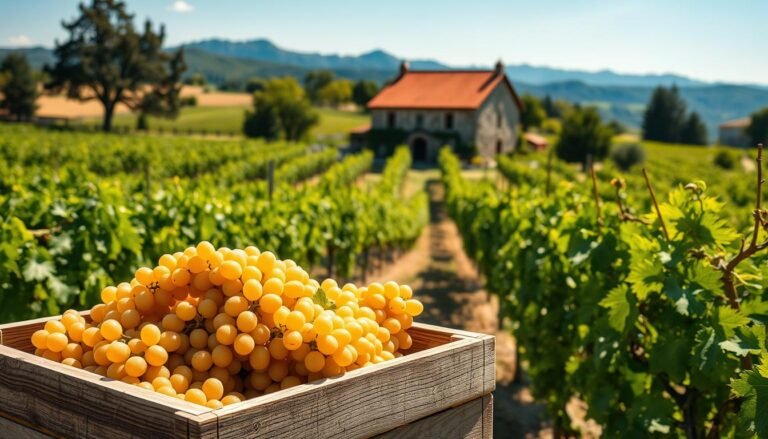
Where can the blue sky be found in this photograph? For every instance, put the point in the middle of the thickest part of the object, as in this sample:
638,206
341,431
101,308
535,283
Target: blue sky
705,39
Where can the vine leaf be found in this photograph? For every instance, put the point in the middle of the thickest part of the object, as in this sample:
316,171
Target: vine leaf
622,307
729,319
670,356
37,271
707,349
752,386
748,340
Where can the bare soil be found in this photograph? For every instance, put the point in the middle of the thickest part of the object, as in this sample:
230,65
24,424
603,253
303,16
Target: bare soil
443,277
59,106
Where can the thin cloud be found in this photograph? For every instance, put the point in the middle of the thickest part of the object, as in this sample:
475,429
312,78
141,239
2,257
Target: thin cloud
180,6
19,40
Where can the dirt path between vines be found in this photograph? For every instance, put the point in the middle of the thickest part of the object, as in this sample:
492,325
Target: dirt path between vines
443,277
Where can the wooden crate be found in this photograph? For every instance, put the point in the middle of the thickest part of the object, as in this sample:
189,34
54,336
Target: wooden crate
441,388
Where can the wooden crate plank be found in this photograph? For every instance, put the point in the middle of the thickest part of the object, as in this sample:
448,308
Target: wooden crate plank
18,429
69,401
444,368
466,421
205,426
488,416
365,402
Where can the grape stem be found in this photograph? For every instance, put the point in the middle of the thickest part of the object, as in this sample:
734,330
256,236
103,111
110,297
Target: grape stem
597,198
655,204
728,268
624,214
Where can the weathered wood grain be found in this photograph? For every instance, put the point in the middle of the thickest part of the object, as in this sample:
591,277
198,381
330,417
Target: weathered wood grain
76,403
444,368
18,429
471,420
365,402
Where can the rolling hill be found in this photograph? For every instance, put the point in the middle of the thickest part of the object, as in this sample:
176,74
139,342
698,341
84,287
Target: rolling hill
619,96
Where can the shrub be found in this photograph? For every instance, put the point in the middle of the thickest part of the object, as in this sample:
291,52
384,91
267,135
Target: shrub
189,101
726,159
627,155
583,134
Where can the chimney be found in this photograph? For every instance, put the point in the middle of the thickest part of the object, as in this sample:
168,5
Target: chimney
499,69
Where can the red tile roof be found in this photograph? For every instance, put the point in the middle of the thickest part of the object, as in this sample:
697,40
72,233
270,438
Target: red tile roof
440,90
535,139
736,123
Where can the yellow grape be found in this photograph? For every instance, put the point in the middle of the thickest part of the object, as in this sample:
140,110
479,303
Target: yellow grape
218,326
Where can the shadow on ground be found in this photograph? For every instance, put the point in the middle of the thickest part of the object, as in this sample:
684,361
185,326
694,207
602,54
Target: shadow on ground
454,296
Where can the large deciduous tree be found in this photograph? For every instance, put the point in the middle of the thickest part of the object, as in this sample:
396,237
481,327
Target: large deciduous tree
18,87
533,114
105,58
364,91
280,111
315,81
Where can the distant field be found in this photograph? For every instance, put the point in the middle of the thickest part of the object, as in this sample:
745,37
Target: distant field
229,120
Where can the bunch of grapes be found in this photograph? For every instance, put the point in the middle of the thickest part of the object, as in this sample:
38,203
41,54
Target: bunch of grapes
216,327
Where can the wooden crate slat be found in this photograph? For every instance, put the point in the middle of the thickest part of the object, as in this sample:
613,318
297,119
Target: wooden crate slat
471,420
17,429
68,400
367,401
444,368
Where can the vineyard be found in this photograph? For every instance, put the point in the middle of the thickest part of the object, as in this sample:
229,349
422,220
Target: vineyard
639,293
642,294
79,212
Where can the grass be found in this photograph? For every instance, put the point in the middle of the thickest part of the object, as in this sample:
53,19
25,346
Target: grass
229,120
334,122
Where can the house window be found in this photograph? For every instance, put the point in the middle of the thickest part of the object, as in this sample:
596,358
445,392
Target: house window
498,118
390,120
448,121
419,120
499,147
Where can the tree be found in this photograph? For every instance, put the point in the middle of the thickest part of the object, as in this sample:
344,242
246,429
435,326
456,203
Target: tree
550,108
281,111
336,93
364,91
105,58
664,115
583,134
533,112
693,131
18,87
758,128
254,84
197,79
315,81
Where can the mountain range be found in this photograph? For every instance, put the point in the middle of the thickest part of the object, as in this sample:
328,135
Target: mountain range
619,96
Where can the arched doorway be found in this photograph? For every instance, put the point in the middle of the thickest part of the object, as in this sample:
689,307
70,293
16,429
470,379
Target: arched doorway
419,149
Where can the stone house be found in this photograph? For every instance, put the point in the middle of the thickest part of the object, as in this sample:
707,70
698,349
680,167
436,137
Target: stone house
466,109
733,133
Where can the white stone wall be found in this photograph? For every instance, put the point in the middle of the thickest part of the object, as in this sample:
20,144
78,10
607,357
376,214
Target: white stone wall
480,128
734,136
499,104
432,120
